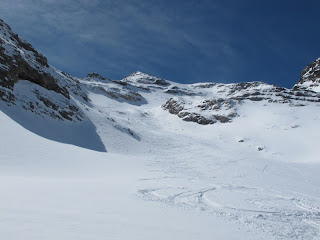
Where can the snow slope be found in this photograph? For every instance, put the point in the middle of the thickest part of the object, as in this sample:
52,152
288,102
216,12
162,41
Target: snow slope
310,77
253,178
145,157
51,190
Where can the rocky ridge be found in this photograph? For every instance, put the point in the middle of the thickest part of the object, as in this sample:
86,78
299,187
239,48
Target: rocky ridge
19,61
138,77
63,97
219,102
310,77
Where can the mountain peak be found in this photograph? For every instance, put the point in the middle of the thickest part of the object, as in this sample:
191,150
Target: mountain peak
141,77
96,75
139,73
310,77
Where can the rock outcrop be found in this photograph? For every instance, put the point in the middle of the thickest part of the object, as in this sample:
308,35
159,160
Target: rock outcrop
310,77
220,102
19,61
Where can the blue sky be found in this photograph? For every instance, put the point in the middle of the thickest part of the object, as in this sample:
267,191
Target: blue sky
184,41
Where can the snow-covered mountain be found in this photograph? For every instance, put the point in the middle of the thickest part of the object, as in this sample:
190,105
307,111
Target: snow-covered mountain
204,103
161,159
310,77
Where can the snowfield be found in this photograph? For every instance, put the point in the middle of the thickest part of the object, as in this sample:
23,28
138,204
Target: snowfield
163,178
51,190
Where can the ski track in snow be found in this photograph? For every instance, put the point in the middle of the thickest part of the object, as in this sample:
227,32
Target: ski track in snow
252,184
185,175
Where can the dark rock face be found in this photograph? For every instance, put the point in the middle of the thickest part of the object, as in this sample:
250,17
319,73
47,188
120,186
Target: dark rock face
197,118
311,72
213,106
243,86
278,95
7,96
119,93
204,85
22,70
24,45
19,60
53,108
217,104
129,96
96,75
173,106
162,82
310,77
223,106
180,91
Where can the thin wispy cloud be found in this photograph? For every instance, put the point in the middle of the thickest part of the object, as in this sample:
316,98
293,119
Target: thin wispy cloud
185,41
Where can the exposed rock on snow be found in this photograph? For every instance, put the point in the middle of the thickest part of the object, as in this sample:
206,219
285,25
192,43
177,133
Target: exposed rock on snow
204,112
96,75
310,77
19,60
144,78
219,101
182,91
